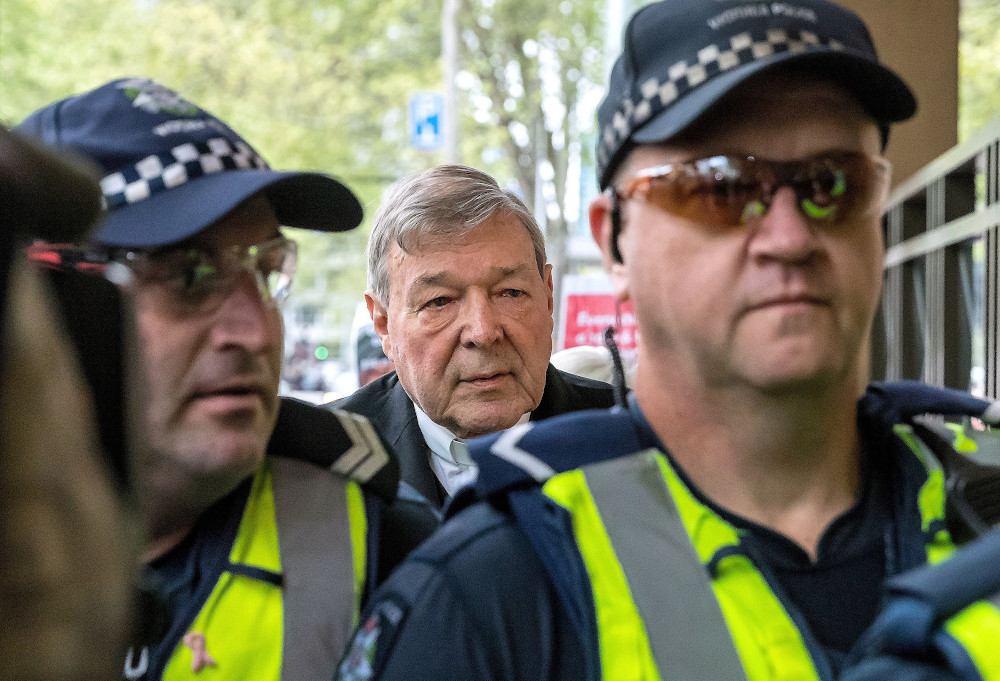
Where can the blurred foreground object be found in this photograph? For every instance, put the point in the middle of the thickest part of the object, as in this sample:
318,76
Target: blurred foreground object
64,558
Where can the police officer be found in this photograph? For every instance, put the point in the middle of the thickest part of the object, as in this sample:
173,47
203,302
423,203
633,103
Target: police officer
737,516
268,521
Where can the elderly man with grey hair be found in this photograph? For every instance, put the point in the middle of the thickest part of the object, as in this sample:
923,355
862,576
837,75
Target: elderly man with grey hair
461,296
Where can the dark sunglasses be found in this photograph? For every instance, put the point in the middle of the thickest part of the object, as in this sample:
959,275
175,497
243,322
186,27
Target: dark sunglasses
725,191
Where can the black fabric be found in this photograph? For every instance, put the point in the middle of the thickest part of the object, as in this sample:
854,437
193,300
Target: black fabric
403,525
98,323
389,408
473,603
7,242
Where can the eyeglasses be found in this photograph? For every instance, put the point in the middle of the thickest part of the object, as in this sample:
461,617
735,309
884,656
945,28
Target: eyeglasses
198,280
725,191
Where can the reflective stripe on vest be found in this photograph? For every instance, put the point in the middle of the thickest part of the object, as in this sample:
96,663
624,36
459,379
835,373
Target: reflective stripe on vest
616,507
977,629
691,644
931,498
244,630
321,586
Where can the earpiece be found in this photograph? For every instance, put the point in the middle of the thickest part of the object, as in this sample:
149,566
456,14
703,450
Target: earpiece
616,228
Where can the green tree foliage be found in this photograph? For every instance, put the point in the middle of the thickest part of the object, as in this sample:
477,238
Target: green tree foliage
525,67
323,85
979,65
313,85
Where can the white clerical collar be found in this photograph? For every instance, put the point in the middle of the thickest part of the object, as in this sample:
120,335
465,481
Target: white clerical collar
451,473
438,437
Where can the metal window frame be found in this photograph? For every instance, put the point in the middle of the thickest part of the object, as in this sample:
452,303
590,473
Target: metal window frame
943,186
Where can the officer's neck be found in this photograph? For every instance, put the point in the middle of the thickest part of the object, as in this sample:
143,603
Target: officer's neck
789,462
172,502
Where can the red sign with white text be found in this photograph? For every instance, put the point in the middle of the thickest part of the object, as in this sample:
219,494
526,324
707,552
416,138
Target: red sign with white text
588,307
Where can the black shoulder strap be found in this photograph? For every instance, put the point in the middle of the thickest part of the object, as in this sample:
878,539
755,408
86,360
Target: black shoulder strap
343,442
973,489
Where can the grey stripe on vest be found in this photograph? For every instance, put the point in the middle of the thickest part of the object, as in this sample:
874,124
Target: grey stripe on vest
314,540
687,631
995,600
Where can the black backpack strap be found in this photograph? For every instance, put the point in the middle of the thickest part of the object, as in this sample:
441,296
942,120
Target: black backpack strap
909,635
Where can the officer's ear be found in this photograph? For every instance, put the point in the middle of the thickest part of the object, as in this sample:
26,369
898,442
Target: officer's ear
606,227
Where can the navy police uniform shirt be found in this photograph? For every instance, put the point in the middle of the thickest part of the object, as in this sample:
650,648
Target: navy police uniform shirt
471,603
475,601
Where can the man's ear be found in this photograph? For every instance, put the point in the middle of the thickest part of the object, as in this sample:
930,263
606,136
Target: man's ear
600,228
380,320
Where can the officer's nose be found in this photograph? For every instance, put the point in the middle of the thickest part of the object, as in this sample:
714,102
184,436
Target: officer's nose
247,318
783,233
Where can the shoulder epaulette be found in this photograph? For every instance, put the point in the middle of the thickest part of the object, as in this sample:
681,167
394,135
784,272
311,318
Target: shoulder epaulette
533,452
347,444
901,401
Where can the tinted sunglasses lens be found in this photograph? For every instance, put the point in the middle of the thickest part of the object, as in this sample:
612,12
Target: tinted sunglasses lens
725,191
841,187
715,191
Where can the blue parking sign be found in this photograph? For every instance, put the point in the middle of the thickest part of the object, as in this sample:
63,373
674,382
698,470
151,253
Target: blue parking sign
426,121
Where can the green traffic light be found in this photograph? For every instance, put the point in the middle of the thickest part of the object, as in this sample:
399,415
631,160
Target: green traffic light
321,352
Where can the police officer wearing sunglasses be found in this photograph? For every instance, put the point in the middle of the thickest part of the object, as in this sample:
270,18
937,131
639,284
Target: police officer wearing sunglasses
268,521
737,515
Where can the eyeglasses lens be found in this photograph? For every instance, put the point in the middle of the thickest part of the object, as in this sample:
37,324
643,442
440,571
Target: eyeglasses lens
199,280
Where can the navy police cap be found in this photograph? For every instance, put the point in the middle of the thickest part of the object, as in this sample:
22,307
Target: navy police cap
170,169
679,57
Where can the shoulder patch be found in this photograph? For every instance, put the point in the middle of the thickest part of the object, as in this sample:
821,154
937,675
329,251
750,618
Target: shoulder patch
361,661
366,455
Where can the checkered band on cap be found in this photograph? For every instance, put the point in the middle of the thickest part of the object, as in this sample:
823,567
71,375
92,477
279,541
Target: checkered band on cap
656,94
174,167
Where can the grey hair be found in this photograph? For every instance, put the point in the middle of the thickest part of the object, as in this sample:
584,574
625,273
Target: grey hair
446,201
